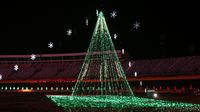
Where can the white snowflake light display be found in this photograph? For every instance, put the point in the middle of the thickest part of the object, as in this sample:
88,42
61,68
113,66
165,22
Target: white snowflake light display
33,56
86,22
122,51
115,36
69,32
97,12
135,74
129,64
136,25
113,14
16,67
140,83
1,76
50,45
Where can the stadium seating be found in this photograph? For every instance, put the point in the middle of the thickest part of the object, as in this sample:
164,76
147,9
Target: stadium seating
68,66
165,67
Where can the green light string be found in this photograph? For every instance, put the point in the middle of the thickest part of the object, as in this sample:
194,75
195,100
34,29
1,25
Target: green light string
102,69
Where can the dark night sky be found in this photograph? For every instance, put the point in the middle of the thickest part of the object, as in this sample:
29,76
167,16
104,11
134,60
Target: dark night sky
168,29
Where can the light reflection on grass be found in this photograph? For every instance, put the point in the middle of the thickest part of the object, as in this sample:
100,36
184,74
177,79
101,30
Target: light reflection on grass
120,102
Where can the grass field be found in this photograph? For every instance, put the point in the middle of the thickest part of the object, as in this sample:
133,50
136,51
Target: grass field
120,104
37,102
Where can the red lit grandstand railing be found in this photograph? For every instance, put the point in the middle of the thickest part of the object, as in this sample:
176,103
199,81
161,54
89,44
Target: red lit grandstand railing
48,57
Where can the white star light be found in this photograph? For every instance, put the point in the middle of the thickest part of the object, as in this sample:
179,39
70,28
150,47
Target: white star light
122,51
86,22
16,67
1,76
140,83
135,74
113,14
33,56
136,25
50,45
115,36
69,32
97,12
129,64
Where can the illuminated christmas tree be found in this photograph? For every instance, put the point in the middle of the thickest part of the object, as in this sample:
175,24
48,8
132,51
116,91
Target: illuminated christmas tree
101,72
103,79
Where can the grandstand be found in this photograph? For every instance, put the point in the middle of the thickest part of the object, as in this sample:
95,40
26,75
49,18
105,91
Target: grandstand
47,73
58,73
45,67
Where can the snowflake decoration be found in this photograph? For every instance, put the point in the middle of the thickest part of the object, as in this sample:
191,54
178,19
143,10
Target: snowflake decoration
115,36
33,56
50,45
1,76
140,83
86,22
69,32
136,25
135,74
16,67
97,12
129,64
113,14
122,51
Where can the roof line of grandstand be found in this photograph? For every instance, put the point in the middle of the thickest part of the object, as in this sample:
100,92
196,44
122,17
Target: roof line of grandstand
43,61
46,55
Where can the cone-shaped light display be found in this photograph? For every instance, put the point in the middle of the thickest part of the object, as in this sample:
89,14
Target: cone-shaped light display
101,72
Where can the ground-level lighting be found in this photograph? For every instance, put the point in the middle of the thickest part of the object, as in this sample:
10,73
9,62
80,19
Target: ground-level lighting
120,102
155,95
